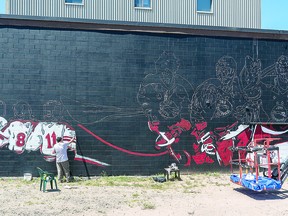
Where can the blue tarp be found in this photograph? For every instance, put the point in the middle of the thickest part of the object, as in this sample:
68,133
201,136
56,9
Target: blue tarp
249,181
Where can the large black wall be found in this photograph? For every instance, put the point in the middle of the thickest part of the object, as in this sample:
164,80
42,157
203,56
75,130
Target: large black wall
95,76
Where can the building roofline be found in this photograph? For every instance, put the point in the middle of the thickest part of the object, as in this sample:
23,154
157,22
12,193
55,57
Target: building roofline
139,27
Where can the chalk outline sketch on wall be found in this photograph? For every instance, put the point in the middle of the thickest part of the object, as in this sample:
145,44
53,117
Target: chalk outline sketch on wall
165,97
24,133
22,110
173,108
53,111
95,113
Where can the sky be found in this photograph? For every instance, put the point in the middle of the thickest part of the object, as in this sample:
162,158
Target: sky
274,14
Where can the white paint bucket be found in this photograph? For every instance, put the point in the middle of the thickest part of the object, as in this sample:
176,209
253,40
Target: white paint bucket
27,176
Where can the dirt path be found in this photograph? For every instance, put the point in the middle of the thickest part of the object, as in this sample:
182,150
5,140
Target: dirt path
194,195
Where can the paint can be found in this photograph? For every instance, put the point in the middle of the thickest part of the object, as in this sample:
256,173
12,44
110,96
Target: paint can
27,176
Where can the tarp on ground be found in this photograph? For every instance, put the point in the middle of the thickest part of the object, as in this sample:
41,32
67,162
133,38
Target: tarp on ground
249,181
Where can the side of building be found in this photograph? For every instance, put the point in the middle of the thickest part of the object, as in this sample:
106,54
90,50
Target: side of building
224,13
138,97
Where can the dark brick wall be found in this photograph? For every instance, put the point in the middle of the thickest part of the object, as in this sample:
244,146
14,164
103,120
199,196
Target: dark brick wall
96,77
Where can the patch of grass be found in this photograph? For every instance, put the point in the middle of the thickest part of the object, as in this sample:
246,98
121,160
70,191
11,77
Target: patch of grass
34,180
127,181
159,186
192,181
190,190
132,203
196,184
213,174
148,205
221,184
19,181
29,203
135,195
195,180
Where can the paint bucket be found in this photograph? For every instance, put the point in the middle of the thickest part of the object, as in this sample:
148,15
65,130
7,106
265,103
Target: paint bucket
27,176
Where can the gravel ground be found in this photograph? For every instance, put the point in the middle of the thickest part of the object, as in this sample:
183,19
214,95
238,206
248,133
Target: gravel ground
199,194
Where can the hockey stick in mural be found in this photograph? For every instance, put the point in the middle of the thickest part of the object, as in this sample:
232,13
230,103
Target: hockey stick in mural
119,148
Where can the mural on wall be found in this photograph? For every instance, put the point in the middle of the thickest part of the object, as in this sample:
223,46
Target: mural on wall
164,97
231,95
193,124
96,113
275,81
259,132
26,134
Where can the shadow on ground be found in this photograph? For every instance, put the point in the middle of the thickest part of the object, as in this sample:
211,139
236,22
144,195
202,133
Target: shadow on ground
263,195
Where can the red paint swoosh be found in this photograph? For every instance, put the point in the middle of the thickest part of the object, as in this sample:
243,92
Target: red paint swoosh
118,148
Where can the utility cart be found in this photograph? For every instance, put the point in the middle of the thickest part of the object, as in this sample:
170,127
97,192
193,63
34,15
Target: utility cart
265,165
